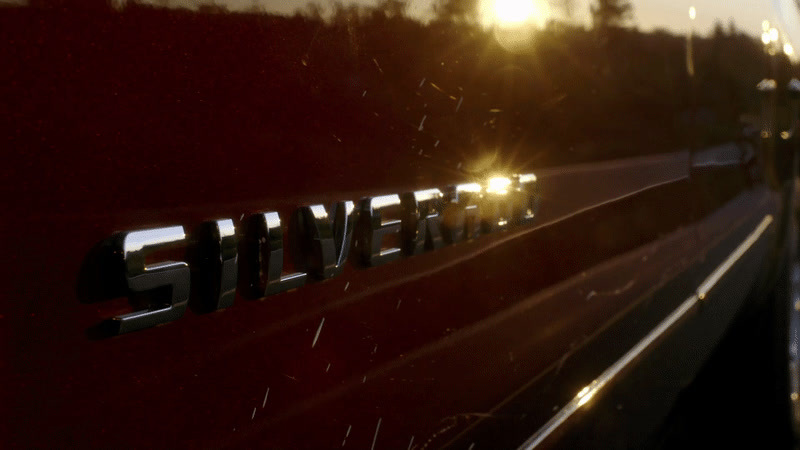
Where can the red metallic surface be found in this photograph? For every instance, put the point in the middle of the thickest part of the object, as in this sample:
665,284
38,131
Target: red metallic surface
139,117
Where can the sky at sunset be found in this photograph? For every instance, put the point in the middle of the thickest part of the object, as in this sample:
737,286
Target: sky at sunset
673,15
648,14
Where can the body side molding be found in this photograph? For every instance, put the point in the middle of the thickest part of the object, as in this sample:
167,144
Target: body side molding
593,388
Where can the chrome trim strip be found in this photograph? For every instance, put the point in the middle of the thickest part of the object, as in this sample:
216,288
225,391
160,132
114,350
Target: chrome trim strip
717,274
595,386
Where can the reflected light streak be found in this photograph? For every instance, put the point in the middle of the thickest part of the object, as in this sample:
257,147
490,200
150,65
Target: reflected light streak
469,187
386,200
319,211
498,185
428,194
586,394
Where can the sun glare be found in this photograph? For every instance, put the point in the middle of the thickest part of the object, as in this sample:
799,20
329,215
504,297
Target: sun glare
513,12
498,185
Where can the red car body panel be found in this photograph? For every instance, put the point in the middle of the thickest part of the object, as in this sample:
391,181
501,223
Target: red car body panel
130,118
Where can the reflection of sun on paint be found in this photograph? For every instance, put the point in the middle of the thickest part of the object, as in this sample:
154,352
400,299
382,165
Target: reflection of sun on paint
506,13
498,185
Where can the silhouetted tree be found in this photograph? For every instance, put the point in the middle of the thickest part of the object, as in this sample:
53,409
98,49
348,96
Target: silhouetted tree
456,10
346,15
72,5
312,11
611,13
392,8
718,31
567,7
212,8
255,8
732,31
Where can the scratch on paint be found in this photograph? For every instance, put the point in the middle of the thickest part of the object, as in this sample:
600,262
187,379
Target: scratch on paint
458,106
450,423
422,122
375,438
319,329
346,435
561,361
436,144
346,285
264,403
422,82
617,291
624,288
364,380
254,414
377,65
328,368
471,446
410,443
375,350
398,304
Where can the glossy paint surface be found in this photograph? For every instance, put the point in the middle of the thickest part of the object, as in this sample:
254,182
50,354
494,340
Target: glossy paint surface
653,158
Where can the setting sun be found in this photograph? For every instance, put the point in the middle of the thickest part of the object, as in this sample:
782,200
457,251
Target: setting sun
513,12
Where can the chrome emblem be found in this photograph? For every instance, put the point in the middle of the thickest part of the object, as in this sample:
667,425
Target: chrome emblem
379,229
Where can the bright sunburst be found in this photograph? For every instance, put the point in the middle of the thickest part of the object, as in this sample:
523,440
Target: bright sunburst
513,12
